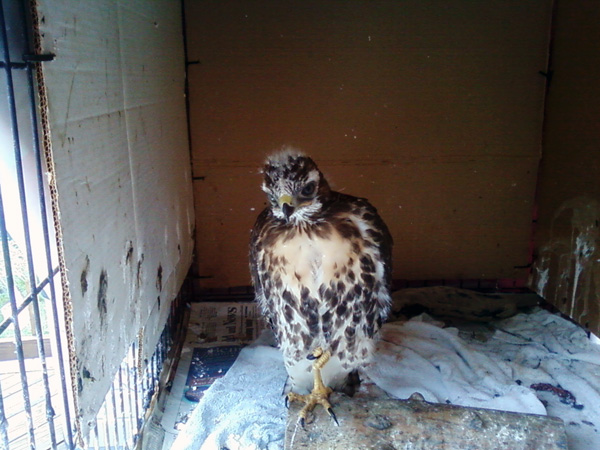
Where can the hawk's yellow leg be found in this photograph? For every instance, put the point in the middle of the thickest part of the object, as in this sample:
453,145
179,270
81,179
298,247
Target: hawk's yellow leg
320,393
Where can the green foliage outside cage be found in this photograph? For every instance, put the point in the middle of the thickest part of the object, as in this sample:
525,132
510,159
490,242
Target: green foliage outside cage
20,274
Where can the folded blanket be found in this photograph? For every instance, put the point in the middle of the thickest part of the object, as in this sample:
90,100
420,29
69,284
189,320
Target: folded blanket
244,409
418,356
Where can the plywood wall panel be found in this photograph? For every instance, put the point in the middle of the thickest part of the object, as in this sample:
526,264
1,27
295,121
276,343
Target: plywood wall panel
567,269
433,237
397,100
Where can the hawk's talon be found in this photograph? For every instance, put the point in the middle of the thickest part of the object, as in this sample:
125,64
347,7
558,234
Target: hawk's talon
318,353
332,414
320,393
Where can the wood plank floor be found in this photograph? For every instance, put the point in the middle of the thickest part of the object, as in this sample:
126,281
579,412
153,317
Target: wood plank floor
14,405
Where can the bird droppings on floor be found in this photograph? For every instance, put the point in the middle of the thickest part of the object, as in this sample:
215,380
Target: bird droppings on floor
534,362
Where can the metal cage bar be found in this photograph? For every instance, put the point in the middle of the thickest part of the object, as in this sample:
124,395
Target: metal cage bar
121,418
41,431
4,233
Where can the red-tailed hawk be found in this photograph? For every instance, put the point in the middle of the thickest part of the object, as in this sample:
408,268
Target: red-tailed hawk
321,268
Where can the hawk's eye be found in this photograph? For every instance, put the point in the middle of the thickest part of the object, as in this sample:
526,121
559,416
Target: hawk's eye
309,189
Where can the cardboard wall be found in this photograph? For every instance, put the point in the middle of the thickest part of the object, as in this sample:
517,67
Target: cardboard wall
431,109
118,123
567,269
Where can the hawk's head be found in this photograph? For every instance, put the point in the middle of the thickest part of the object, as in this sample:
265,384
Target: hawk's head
294,186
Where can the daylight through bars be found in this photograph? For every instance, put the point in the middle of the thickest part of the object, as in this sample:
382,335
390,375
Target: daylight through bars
34,409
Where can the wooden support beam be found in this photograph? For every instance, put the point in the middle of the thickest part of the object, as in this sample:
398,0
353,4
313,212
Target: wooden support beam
8,350
378,422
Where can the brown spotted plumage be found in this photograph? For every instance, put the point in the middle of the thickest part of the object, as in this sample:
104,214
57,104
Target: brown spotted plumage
321,269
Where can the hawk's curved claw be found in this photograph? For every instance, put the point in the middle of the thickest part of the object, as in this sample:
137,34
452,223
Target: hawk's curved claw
318,353
320,392
332,414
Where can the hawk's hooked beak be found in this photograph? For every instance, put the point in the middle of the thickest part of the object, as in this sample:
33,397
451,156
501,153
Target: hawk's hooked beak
286,202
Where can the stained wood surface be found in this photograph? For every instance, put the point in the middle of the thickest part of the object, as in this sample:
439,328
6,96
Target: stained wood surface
374,421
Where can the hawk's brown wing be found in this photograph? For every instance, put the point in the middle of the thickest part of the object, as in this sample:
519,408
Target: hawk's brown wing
256,246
